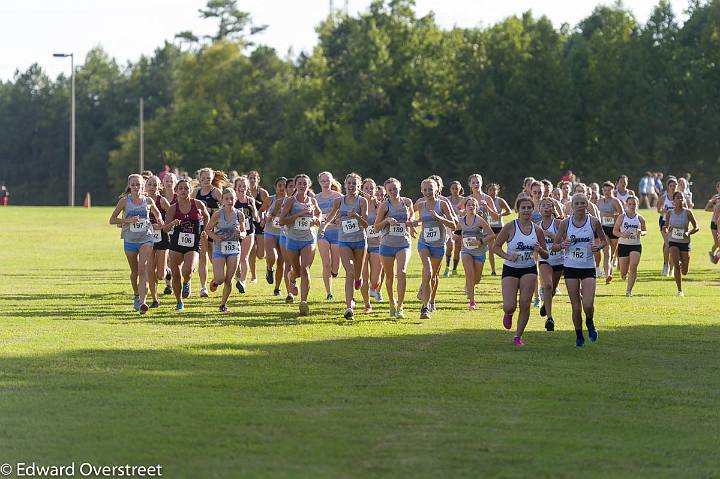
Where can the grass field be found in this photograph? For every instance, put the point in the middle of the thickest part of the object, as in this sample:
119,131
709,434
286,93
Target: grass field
263,393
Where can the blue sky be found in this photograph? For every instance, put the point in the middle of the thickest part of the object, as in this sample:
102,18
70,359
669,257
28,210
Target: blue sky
30,31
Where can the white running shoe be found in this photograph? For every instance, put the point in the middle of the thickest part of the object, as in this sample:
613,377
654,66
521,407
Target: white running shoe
628,294
665,270
680,293
598,272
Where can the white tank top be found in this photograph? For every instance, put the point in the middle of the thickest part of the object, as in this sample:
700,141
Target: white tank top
667,203
622,196
632,226
579,253
523,245
556,257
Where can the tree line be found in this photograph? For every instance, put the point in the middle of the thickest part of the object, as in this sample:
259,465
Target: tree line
384,93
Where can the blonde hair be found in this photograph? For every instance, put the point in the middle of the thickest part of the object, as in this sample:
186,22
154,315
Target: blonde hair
392,180
329,175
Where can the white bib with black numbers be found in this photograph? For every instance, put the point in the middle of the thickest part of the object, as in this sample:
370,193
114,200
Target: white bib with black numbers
350,226
186,239
229,247
139,227
397,229
302,223
157,236
431,234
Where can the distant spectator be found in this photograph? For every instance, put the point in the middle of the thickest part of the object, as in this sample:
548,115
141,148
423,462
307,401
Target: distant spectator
659,186
4,195
684,188
164,171
569,177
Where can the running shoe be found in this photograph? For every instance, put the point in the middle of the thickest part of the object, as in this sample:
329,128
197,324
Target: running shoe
237,285
536,302
179,306
143,308
681,294
664,270
379,296
154,304
223,308
203,292
579,342
599,272
446,273
507,321
136,302
472,306
543,312
432,308
276,292
549,325
167,290
393,311
368,309
592,332
269,275
518,342
289,298
400,313
304,308
253,281
628,294
186,290
424,313
716,258
372,292
241,287
213,286
358,284
348,314
493,273
329,297
609,279
293,289
557,291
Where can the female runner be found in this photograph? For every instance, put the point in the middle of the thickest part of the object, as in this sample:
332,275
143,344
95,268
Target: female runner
454,241
576,235
678,232
137,234
372,273
392,220
328,242
184,217
258,193
476,235
551,269
351,212
272,230
664,205
209,194
300,213
503,209
629,227
227,227
610,210
246,204
169,181
157,264
524,240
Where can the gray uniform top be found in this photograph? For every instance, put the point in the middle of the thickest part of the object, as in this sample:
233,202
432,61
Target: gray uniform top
350,230
142,231
300,229
227,230
373,238
472,231
433,232
397,235
679,223
496,223
607,212
325,205
273,226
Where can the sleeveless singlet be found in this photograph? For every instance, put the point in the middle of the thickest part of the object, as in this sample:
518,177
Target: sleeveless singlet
142,231
272,225
433,232
325,204
396,235
226,230
471,232
679,225
556,258
607,212
300,229
579,253
373,237
187,233
632,226
248,212
350,230
523,245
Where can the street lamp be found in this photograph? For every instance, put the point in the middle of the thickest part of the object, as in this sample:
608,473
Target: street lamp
71,181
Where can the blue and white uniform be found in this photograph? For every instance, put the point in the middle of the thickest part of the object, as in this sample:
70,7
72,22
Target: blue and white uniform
556,258
325,203
471,233
434,233
579,259
630,225
351,234
523,245
395,237
226,229
299,232
137,234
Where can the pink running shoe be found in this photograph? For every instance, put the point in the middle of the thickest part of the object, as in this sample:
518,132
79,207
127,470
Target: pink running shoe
472,305
518,342
507,321
716,258
358,284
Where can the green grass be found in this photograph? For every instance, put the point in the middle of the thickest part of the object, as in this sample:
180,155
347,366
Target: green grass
263,393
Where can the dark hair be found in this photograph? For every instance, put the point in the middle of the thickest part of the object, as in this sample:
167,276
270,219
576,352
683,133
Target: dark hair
522,199
608,183
279,179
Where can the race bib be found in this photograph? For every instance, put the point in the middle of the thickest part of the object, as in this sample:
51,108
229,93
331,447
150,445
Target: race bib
678,234
372,233
578,252
470,242
139,227
186,239
495,223
431,234
350,226
157,236
302,223
397,229
608,221
276,222
247,224
229,247
323,217
524,256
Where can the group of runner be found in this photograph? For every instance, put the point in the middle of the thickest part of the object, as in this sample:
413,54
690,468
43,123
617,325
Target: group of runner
173,227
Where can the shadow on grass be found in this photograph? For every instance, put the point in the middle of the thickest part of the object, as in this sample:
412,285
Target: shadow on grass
643,400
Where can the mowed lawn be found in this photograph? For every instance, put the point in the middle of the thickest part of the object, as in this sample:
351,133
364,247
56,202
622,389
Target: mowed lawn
261,392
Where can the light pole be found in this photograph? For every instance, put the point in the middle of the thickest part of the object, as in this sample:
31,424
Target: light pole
71,181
